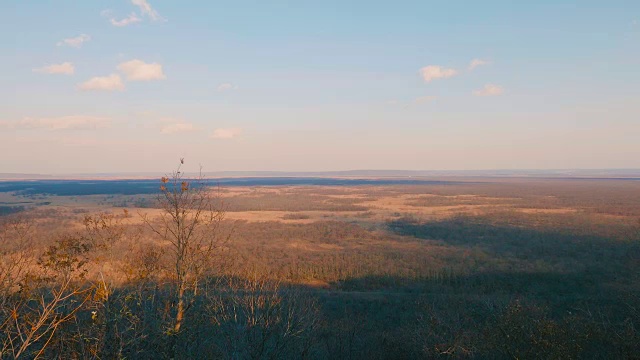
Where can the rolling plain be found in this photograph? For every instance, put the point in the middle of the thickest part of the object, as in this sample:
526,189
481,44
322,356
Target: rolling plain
461,267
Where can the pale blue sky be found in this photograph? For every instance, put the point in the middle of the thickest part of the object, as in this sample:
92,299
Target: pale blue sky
318,85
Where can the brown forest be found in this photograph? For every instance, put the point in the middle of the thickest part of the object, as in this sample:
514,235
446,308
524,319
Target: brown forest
475,268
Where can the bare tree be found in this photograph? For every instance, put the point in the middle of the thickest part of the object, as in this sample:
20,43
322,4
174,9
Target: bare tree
258,318
189,222
16,255
47,298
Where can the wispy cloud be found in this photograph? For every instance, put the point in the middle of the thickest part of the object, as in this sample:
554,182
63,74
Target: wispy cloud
64,68
227,87
58,123
228,133
433,72
477,62
77,41
177,128
147,10
489,90
138,70
107,83
131,19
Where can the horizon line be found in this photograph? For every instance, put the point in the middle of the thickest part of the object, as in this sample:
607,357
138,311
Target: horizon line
584,172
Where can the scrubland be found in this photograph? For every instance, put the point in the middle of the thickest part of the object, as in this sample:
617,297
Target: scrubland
467,268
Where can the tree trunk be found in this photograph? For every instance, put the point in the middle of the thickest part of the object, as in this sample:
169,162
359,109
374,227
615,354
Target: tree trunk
180,310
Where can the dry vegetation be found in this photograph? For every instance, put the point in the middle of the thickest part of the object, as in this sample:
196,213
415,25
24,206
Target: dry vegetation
481,268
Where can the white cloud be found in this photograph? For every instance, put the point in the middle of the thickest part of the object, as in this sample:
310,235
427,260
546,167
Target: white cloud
75,42
131,19
433,72
64,68
147,10
58,123
138,70
226,87
489,90
228,133
477,62
424,99
107,83
177,128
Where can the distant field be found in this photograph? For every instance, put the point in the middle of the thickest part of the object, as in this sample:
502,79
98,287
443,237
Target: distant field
133,187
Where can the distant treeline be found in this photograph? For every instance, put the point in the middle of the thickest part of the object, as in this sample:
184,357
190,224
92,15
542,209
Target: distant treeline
136,187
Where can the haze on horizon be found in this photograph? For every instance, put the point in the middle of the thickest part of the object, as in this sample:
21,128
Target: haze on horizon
132,85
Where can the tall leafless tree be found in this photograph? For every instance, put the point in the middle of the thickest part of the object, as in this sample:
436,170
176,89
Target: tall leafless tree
189,222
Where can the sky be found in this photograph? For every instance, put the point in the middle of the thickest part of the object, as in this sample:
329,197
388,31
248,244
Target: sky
135,85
